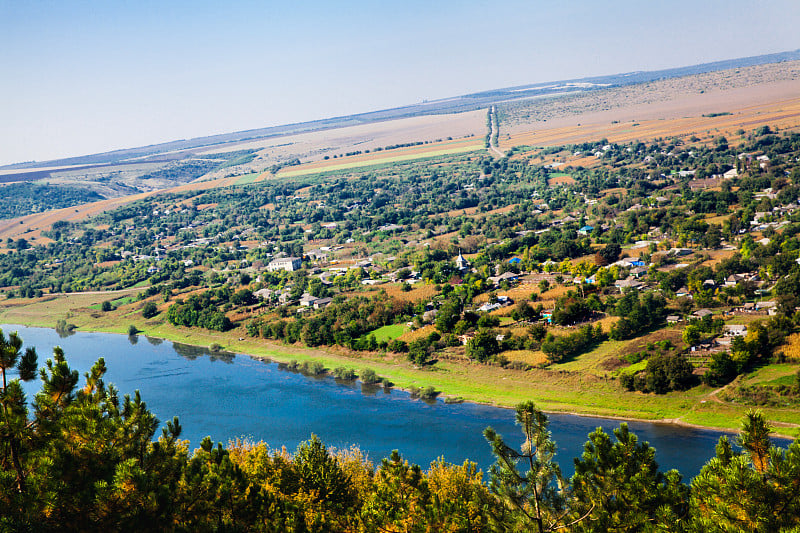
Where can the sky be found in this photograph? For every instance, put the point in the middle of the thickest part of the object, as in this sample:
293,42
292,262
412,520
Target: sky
82,77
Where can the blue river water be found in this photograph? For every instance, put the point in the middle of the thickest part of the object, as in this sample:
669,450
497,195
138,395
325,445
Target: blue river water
229,396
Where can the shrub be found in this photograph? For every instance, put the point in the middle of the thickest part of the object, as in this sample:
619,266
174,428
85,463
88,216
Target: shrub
369,377
346,374
149,310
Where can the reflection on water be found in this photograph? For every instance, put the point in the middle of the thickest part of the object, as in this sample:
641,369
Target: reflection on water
133,339
64,333
193,352
155,341
370,389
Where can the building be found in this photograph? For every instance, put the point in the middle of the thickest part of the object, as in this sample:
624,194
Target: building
461,263
735,330
289,264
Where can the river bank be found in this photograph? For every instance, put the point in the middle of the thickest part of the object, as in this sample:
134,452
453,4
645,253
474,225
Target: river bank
555,392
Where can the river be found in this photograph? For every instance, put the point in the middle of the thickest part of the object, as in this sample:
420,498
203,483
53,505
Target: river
229,396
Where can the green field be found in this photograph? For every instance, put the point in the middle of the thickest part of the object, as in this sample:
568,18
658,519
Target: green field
389,333
116,303
247,179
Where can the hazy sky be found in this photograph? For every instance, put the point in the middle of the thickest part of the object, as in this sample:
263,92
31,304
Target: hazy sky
85,77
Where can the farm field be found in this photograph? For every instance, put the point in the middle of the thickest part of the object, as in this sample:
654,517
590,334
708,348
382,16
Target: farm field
680,115
386,157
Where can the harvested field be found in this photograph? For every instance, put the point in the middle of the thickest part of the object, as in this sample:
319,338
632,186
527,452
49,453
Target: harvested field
775,104
533,358
417,334
385,157
418,292
561,179
791,347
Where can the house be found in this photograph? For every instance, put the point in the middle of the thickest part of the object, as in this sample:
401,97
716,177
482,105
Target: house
673,319
264,294
487,307
585,230
734,330
683,292
700,313
628,283
289,264
630,262
770,307
285,298
317,255
465,338
321,303
734,279
509,277
306,300
429,316
504,300
638,272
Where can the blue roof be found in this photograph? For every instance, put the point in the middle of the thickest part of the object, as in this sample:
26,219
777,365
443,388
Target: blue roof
514,260
587,228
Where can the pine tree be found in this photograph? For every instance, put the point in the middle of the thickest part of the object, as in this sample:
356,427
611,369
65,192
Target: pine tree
757,490
14,431
535,500
621,485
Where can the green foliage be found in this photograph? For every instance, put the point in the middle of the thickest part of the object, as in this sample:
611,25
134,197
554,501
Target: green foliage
345,322
637,313
21,199
483,346
149,310
534,499
424,393
755,490
620,487
721,370
369,377
664,372
346,374
199,310
559,348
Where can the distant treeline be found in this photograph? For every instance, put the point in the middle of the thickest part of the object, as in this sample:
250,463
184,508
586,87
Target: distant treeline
21,199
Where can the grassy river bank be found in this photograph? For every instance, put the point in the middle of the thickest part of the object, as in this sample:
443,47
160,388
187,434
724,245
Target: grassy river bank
553,390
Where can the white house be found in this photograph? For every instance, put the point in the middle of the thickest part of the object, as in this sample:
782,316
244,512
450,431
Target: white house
289,264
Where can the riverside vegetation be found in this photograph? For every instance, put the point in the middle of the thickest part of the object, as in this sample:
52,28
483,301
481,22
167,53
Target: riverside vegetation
79,457
667,268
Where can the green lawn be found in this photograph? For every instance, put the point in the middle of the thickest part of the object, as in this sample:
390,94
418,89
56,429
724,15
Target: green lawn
389,333
116,303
